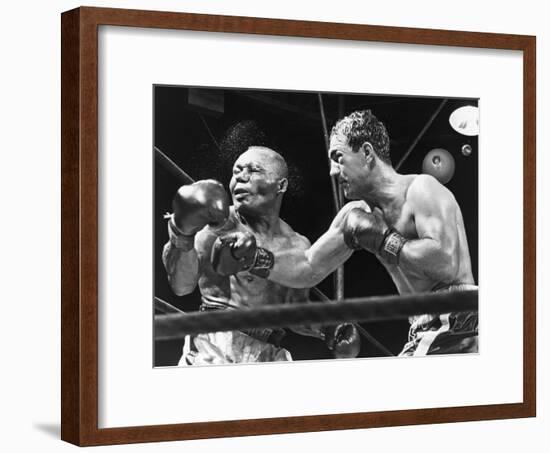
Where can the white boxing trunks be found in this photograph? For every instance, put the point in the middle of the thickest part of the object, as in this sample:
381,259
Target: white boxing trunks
219,348
216,348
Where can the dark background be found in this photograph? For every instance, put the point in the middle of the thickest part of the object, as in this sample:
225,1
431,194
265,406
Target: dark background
203,131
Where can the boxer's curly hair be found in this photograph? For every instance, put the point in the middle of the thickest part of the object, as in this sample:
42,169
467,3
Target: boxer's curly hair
362,126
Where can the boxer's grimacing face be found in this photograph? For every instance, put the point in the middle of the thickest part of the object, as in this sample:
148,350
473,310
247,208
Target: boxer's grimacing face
348,166
254,185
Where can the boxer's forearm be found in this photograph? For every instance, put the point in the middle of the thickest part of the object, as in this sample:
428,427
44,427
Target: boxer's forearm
298,268
182,268
428,258
292,268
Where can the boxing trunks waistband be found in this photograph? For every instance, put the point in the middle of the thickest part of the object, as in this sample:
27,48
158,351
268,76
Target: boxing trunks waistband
267,335
441,287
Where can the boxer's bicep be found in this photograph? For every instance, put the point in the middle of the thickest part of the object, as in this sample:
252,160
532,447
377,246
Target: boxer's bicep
430,223
434,214
432,254
184,267
181,268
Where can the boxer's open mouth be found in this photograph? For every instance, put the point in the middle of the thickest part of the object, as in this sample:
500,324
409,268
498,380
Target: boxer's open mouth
240,192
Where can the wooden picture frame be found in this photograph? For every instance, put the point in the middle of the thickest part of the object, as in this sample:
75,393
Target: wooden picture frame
79,314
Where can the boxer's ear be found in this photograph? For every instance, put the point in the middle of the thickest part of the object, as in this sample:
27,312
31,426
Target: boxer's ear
368,151
283,185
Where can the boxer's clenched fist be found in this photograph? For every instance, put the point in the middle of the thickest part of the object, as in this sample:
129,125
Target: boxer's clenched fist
369,231
199,204
238,251
343,340
364,230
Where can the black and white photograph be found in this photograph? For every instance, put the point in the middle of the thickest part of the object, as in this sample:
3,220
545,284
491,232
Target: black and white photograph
293,202
275,226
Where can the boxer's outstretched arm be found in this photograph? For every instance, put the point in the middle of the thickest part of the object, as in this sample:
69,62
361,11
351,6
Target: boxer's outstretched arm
435,254
302,266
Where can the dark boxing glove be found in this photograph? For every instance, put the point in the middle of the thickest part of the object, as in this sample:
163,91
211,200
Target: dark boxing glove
369,231
343,340
199,204
238,251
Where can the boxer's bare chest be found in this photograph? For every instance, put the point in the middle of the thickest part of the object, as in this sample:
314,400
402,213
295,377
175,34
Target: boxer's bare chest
399,214
249,289
401,218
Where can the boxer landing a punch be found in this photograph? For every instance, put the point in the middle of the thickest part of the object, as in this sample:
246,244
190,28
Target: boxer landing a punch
224,249
412,223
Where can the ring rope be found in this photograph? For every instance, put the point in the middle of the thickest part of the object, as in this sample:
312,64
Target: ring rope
371,309
362,331
165,307
171,167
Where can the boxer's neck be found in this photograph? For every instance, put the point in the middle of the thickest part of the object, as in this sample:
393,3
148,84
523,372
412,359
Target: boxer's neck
386,187
266,224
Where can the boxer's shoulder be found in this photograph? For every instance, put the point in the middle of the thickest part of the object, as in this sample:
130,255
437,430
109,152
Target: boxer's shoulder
300,242
293,238
422,185
425,191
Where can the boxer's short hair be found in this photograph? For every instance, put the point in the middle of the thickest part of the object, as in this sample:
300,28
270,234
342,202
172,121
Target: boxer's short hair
362,126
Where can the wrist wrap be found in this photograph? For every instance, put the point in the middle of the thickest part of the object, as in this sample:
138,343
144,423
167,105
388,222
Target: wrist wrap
391,246
262,264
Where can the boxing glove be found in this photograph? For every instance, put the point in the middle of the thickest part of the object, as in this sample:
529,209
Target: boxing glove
236,252
369,231
199,204
343,340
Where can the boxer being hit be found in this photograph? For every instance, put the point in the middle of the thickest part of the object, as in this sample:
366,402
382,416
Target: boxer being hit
412,223
223,250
